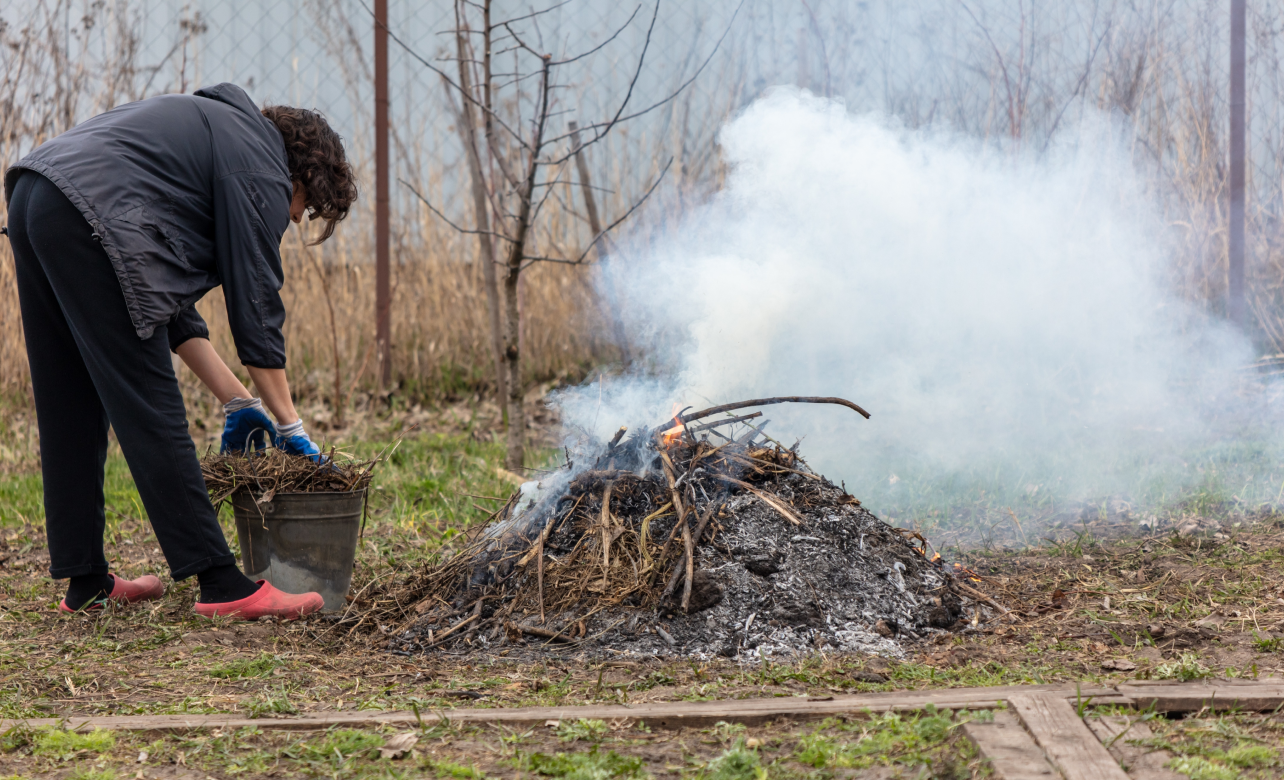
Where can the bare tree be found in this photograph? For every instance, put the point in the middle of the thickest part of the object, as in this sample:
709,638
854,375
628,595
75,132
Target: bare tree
517,161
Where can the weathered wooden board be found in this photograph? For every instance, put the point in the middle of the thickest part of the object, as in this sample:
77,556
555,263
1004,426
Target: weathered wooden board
1142,763
1066,741
1009,748
656,715
1192,697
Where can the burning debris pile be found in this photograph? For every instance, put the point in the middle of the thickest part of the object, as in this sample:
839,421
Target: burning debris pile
702,539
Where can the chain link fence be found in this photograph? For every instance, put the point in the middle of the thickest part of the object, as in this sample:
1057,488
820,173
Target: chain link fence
1010,73
994,69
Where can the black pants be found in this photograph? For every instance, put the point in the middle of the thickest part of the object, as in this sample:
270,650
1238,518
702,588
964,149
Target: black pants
88,369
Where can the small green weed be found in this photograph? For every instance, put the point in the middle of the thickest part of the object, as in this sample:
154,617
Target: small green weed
337,747
1251,756
247,667
1200,768
1268,644
587,730
585,766
888,738
65,744
92,774
727,731
451,769
735,763
14,738
271,702
1186,668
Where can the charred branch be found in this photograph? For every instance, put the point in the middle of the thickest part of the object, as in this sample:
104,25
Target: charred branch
784,399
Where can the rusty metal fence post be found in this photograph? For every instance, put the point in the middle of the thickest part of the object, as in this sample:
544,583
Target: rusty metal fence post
383,295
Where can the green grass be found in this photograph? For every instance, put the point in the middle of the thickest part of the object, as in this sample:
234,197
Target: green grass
886,739
422,486
737,762
1229,745
586,730
247,667
1200,768
271,702
336,749
1186,668
590,765
453,769
1266,644
64,745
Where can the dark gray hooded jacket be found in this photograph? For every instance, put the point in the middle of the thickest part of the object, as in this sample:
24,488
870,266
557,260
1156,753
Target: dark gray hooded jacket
186,193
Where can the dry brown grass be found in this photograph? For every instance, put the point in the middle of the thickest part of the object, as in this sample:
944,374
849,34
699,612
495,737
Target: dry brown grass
439,324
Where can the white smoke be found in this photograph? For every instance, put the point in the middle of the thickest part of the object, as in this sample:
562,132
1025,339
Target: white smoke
992,309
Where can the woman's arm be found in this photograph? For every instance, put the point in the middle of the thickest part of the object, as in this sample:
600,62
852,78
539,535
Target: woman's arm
274,389
199,355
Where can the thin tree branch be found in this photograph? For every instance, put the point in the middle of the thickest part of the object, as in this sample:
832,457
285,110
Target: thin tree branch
532,14
448,220
489,112
1003,66
601,45
605,230
602,128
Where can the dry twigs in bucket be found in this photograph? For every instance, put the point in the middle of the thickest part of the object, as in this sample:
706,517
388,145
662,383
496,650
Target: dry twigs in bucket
272,472
698,539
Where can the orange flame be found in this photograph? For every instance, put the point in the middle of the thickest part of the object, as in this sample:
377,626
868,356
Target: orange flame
673,434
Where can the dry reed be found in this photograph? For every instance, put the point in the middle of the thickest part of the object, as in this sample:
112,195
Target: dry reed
439,324
273,472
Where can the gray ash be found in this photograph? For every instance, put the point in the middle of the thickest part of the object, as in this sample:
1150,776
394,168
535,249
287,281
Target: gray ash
784,563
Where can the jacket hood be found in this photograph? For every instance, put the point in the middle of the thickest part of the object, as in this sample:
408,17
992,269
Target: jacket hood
233,96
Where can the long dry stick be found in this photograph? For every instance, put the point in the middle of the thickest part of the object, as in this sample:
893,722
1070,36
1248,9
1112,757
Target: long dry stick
686,587
543,633
695,540
784,399
437,639
767,498
667,464
755,463
606,533
664,552
979,596
728,421
539,568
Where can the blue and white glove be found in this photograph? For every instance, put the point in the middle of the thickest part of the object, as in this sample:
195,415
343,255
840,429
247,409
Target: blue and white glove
247,426
292,439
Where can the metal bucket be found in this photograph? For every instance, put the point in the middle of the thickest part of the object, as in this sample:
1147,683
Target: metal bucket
301,542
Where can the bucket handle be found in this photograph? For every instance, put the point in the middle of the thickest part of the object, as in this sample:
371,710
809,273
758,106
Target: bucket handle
365,506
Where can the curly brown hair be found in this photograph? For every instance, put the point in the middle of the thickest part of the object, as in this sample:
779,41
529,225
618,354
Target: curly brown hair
314,154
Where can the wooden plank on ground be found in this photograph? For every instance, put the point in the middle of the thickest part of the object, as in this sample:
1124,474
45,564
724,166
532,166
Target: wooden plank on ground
1192,697
1066,741
1143,763
655,714
1009,748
